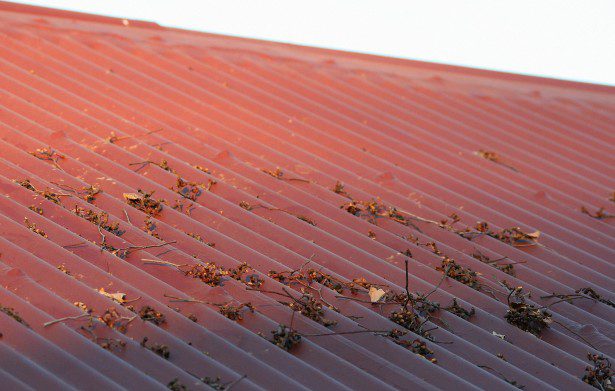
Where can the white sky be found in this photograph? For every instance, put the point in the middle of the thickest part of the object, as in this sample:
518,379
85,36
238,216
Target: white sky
567,39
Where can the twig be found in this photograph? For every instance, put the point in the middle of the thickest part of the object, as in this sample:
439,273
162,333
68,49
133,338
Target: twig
127,217
65,319
74,245
347,332
575,333
234,382
156,262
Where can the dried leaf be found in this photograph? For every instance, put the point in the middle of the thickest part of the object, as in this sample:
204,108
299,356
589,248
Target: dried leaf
376,294
118,296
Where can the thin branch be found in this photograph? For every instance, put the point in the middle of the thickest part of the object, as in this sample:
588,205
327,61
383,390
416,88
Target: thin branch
65,319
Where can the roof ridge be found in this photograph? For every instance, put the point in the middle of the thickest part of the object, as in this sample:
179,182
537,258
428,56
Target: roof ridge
60,13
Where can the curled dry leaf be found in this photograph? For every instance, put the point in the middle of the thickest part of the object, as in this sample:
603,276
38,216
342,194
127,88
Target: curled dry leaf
376,294
118,296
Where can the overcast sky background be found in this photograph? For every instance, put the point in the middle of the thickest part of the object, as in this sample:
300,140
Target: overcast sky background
567,39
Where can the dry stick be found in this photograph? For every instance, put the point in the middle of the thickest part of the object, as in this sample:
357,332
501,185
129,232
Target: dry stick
566,299
347,332
234,382
444,275
176,299
74,245
131,248
363,301
65,319
407,291
575,333
156,262
127,217
278,209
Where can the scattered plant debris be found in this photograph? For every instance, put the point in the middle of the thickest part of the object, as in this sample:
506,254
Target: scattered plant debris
465,275
113,320
371,234
582,293
417,347
144,202
511,382
508,268
118,297
247,206
63,269
493,157
161,350
372,210
48,154
309,307
591,293
110,343
113,138
149,314
200,239
83,307
188,190
175,385
150,227
339,189
599,374
278,174
212,274
181,204
513,236
100,219
600,214
36,209
408,319
13,314
525,316
87,193
163,164
234,312
193,317
201,168
458,310
32,227
376,294
285,338
48,194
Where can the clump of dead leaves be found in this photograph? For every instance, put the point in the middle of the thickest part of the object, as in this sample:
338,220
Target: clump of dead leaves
599,374
144,202
285,338
526,316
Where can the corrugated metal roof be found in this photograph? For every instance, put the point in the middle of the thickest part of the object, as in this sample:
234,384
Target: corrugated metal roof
325,167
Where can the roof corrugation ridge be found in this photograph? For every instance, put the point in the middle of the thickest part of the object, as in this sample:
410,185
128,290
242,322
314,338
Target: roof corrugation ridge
528,167
594,232
67,167
45,301
45,353
168,291
262,139
30,371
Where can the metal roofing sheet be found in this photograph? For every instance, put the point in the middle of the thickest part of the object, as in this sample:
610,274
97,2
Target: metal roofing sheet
351,176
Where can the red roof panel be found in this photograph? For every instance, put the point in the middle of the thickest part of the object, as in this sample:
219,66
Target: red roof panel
245,142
